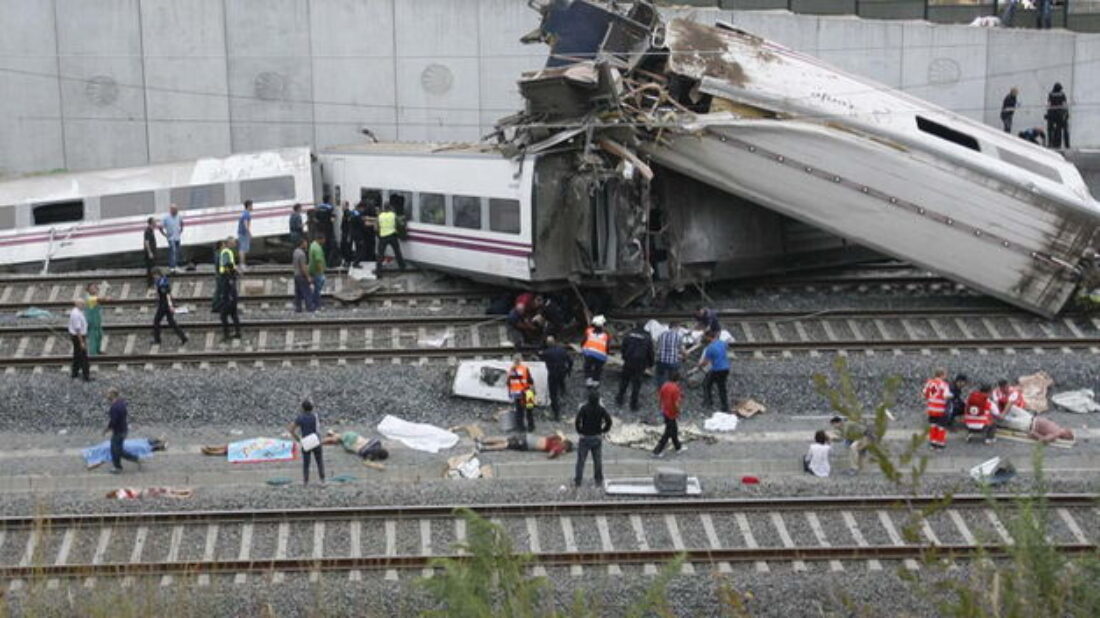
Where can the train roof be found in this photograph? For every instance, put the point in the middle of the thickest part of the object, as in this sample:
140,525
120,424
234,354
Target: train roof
417,149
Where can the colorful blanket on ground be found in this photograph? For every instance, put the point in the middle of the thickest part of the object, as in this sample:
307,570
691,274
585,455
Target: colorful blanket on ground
101,453
258,450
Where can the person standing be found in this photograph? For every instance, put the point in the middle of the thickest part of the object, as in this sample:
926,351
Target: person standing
78,331
324,215
936,394
317,270
297,226
1008,109
387,237
671,397
347,255
300,264
519,382
670,351
244,233
637,351
1043,16
706,320
93,313
307,431
172,228
956,404
118,425
592,423
166,308
597,342
149,243
1057,118
558,365
716,355
358,234
227,277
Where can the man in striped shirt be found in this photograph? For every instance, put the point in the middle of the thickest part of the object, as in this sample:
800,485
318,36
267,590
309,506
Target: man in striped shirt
670,351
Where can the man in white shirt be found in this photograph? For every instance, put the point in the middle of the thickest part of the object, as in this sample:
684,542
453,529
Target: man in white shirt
78,330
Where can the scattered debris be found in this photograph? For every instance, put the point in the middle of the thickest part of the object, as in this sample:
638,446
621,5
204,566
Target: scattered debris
1034,390
252,287
666,482
993,472
637,435
433,342
1081,401
417,436
720,421
351,294
487,380
748,408
466,467
473,430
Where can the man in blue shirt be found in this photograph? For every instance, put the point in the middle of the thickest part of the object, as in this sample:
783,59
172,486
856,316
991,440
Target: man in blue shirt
171,226
297,226
118,426
244,233
716,355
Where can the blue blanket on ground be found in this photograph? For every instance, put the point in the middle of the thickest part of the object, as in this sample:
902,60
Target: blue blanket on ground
101,453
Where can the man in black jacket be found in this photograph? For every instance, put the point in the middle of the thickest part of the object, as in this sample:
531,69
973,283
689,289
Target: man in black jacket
558,365
592,422
637,350
118,426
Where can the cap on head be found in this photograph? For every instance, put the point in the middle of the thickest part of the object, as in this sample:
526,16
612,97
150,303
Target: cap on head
518,358
836,419
599,321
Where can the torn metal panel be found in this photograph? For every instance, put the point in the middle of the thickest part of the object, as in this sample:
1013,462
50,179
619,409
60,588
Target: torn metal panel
488,380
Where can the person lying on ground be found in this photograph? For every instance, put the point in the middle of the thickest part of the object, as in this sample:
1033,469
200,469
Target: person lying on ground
553,445
1035,426
143,448
366,448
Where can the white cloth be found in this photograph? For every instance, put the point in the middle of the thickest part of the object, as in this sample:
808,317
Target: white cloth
1080,401
720,421
819,459
419,436
78,325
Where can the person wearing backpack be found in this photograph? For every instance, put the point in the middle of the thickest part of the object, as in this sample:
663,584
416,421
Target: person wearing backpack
306,431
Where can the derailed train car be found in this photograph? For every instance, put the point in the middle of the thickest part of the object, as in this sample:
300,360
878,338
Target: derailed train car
784,131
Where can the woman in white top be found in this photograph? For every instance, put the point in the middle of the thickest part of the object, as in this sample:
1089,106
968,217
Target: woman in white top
816,462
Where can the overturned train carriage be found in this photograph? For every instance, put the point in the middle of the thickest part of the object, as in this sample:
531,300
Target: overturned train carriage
770,134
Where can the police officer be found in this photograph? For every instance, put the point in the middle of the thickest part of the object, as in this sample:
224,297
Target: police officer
227,284
637,350
558,365
357,232
166,308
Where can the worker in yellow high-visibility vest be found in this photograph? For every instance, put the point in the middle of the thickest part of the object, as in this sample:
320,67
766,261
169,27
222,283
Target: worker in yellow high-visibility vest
387,237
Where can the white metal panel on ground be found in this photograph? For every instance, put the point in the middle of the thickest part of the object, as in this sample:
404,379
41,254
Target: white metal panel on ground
468,381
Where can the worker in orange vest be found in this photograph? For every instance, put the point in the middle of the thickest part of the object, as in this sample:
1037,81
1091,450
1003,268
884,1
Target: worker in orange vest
936,393
980,410
597,342
519,382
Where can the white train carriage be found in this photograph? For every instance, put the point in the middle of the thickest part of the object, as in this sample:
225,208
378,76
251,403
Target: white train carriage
470,210
71,215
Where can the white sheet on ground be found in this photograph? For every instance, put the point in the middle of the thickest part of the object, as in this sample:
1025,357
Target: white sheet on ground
720,421
1080,401
418,436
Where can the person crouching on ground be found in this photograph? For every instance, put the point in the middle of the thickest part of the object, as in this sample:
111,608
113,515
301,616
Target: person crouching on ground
816,462
857,438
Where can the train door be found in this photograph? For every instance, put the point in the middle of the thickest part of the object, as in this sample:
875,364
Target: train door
604,241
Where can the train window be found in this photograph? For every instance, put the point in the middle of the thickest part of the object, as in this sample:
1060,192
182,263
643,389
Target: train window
467,211
268,189
58,212
947,133
504,216
403,204
127,205
198,196
433,209
7,217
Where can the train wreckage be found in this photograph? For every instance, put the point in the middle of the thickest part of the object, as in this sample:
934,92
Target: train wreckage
695,149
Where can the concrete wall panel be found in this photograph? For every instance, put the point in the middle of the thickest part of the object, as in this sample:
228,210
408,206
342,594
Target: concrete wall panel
1084,120
1031,60
270,73
438,77
868,48
353,70
795,31
103,81
502,58
30,108
186,79
946,66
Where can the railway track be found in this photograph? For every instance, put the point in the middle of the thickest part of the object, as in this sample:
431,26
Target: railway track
421,339
619,538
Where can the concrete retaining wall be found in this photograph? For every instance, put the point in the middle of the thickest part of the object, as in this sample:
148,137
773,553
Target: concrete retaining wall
104,83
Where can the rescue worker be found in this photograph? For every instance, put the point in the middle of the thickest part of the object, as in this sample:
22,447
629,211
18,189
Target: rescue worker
227,283
166,308
358,234
558,365
956,406
706,320
980,413
936,393
519,382
637,350
597,342
323,216
1007,396
387,237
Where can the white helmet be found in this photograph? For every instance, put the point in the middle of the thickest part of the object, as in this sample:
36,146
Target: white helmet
599,321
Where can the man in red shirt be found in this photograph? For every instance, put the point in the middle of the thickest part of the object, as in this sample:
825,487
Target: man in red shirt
671,396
